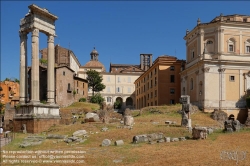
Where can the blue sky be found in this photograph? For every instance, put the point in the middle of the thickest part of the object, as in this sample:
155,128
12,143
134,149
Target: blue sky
120,31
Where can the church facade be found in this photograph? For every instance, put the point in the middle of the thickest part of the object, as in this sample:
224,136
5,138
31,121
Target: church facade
217,72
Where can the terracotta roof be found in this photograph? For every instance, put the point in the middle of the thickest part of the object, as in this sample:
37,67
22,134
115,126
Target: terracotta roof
95,64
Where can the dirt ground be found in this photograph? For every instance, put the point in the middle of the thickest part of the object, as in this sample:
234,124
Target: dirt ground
218,149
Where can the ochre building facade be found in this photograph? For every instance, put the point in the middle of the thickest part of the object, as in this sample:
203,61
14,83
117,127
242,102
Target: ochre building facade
160,84
217,71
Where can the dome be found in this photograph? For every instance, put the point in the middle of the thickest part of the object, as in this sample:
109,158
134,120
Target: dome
92,63
94,51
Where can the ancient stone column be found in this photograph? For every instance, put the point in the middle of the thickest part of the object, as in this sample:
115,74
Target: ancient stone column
35,67
23,67
50,71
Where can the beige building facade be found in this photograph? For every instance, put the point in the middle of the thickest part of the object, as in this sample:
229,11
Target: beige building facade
119,81
217,71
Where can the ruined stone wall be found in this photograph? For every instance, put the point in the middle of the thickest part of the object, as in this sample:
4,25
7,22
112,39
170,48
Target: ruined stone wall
64,93
35,125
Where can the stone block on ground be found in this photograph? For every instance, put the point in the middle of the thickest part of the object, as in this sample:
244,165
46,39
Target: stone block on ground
182,139
155,136
140,138
199,133
79,133
104,129
174,139
167,139
128,120
160,141
56,136
119,142
210,131
106,142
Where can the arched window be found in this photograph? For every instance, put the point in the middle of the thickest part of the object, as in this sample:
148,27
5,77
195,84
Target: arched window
209,42
231,45
247,46
191,84
210,46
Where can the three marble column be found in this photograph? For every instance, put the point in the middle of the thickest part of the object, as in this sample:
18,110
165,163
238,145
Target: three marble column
35,97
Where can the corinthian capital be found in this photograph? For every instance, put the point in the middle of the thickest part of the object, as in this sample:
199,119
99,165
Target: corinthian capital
35,32
23,35
50,39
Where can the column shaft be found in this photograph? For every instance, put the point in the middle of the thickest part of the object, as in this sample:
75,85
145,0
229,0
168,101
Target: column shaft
23,67
35,88
50,71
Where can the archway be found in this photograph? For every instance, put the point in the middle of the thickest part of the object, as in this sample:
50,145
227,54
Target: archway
118,103
129,102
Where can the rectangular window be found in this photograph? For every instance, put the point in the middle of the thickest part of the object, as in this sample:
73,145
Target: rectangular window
155,70
171,78
231,78
108,89
108,99
129,79
64,73
172,91
172,68
172,101
248,49
231,48
77,91
76,83
151,94
118,89
155,93
155,81
155,102
151,85
148,96
83,85
192,54
108,79
119,79
129,90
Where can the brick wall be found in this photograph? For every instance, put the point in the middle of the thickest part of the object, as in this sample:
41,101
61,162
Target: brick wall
64,78
35,125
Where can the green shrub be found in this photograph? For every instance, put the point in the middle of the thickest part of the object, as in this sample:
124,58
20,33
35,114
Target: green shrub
117,104
248,102
97,98
82,99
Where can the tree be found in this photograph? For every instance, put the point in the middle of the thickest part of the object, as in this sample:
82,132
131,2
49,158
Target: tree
17,80
97,98
95,81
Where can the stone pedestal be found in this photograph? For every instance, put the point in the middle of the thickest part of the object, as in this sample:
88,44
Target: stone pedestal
36,117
